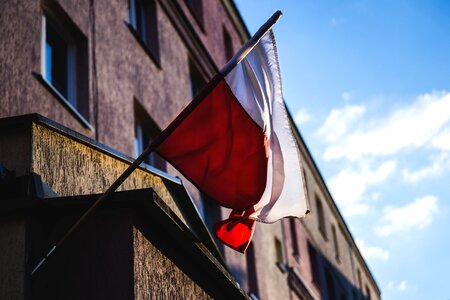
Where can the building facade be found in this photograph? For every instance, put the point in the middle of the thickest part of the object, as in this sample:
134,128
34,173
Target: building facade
116,73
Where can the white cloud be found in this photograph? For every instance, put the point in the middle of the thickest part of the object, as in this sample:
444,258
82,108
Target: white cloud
302,117
411,126
371,252
442,140
439,164
401,286
349,185
346,96
339,122
355,209
416,215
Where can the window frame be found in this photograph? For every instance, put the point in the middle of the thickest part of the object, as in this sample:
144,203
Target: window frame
145,130
294,239
321,218
149,41
336,244
196,10
70,57
227,44
77,62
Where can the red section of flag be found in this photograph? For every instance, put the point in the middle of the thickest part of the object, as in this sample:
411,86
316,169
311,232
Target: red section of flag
221,150
236,231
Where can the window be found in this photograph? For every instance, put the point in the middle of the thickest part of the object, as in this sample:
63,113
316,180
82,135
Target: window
295,247
145,130
279,256
336,245
228,45
251,271
358,273
196,79
64,61
314,264
144,24
305,178
196,8
321,218
278,250
368,297
330,285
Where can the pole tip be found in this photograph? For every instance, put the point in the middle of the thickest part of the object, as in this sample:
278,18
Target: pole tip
276,15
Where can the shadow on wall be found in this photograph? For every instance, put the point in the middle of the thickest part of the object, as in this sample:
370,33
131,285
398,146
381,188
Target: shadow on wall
329,280
331,283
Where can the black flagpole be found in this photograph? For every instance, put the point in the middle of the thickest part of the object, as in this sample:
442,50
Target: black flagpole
238,57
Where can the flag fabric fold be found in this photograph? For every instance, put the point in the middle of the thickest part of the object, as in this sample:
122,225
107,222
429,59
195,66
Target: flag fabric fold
235,144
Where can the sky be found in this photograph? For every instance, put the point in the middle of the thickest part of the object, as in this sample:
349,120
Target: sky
368,85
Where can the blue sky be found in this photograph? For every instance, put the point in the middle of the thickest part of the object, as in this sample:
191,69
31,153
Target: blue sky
368,84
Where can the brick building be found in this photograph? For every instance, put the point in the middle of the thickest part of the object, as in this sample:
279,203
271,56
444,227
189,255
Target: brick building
107,76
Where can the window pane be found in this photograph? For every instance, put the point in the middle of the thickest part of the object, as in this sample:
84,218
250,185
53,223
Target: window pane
196,79
56,60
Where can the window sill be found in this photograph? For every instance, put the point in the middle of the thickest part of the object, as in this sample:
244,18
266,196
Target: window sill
63,100
282,267
143,45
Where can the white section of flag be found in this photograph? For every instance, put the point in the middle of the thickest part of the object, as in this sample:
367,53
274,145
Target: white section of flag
256,84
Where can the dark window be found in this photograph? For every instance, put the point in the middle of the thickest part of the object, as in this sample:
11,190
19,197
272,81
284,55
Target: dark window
228,45
251,270
145,130
358,273
314,264
305,178
143,19
196,8
368,297
58,56
279,251
336,245
330,285
196,79
295,246
65,60
321,217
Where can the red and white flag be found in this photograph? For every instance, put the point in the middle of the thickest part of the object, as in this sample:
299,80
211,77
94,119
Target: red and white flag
235,143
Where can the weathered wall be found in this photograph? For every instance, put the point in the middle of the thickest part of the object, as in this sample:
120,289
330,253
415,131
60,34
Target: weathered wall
12,258
15,154
72,168
96,262
156,277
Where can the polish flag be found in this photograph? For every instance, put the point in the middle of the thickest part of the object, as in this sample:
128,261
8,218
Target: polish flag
234,142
